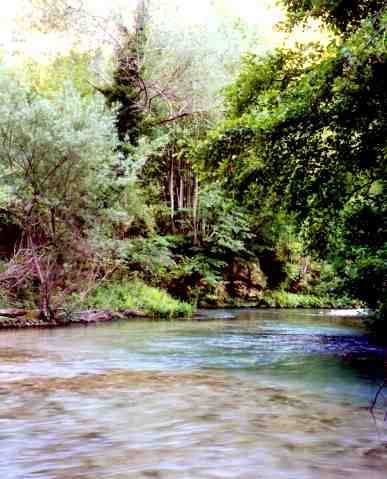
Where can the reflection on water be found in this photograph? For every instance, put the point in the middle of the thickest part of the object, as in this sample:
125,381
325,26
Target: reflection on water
269,394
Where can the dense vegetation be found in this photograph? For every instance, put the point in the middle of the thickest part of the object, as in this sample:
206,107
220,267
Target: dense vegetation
306,132
112,188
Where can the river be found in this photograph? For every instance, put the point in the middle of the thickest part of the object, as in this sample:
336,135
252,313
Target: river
264,395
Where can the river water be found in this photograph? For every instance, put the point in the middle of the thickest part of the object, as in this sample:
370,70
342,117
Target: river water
265,395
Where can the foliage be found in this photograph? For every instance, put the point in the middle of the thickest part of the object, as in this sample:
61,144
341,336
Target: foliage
127,90
359,250
342,14
4,302
136,294
126,214
48,79
306,131
54,153
192,63
152,257
284,299
224,225
295,168
171,262
47,15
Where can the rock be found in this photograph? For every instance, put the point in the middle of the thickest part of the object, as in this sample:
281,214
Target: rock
246,280
100,316
248,272
32,318
257,276
242,290
13,312
298,286
95,316
214,295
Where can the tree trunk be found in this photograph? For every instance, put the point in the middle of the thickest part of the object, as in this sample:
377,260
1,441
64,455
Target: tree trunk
195,204
171,195
181,189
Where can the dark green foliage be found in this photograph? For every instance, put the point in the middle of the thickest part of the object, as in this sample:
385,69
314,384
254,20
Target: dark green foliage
342,14
152,257
359,250
306,130
224,225
296,168
127,92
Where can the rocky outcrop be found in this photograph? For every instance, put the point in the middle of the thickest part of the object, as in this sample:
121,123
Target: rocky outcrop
243,283
246,280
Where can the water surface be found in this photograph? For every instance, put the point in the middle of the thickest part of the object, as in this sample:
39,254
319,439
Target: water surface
268,394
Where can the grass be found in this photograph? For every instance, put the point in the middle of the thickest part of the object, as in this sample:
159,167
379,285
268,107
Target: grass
136,294
284,299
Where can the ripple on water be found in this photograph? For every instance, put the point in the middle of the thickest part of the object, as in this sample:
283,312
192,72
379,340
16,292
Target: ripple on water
227,399
126,424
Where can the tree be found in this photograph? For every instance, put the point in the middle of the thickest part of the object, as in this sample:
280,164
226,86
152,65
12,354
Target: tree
343,15
55,156
306,129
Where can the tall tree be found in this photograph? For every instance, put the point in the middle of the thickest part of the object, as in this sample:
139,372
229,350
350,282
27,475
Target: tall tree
306,129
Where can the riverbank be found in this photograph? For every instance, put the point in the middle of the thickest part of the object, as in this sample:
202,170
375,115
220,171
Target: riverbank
107,302
135,299
22,319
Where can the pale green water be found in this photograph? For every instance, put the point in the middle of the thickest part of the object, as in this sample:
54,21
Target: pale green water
271,394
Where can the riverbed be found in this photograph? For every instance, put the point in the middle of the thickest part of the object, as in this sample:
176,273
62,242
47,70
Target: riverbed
237,394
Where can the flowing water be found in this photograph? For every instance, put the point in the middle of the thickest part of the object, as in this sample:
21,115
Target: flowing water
266,395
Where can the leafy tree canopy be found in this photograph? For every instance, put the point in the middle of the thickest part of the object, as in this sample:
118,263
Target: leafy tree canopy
343,15
306,128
